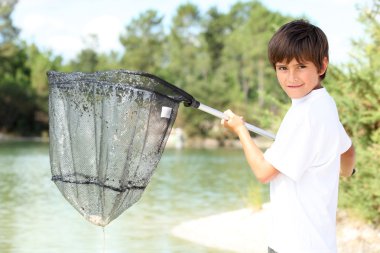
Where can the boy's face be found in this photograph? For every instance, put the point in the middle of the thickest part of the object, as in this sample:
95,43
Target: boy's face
298,79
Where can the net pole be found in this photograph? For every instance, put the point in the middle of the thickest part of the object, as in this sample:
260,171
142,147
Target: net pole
221,115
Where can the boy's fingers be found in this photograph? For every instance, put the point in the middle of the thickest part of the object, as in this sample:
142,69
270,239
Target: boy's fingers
229,113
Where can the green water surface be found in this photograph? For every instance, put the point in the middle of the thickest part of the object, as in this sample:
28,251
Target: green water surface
188,184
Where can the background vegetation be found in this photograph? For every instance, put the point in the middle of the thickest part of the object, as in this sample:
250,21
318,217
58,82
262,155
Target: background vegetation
219,58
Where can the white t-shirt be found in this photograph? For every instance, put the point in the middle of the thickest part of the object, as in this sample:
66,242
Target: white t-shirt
304,195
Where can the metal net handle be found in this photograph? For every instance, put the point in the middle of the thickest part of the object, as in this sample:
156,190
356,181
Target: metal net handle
221,115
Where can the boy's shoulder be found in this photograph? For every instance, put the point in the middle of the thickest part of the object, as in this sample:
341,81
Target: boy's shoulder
318,101
322,111
316,108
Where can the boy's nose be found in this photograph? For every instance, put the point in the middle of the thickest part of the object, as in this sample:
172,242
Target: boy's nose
292,78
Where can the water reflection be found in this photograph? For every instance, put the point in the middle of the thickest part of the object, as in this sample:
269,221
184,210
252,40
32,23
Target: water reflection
187,184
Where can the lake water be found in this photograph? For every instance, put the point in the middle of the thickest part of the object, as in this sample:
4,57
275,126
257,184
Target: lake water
187,184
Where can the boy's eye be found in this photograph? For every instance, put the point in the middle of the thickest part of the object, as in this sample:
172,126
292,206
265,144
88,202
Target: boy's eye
281,68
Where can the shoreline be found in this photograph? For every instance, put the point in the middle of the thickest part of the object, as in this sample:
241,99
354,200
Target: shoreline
172,143
245,230
15,138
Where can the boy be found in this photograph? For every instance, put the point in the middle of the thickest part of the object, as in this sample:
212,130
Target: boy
311,145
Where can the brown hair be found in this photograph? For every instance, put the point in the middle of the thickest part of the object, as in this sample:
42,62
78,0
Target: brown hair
299,40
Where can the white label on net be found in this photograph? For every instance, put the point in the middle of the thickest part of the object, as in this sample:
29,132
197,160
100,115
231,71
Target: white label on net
166,112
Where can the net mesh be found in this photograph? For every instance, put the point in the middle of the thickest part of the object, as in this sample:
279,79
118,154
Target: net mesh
107,134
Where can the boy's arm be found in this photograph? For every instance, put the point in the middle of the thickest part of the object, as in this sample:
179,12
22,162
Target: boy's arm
262,169
347,162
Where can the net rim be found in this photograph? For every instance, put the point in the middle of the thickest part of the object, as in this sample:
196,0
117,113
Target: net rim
57,77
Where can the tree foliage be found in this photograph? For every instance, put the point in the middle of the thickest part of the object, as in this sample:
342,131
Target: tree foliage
16,107
143,41
357,92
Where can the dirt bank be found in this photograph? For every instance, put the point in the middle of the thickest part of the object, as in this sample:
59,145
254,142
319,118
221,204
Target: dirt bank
245,231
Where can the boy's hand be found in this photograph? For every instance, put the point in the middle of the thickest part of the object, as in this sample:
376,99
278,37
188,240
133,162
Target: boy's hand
234,122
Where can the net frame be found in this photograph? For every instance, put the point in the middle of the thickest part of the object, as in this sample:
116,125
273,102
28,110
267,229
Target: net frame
97,187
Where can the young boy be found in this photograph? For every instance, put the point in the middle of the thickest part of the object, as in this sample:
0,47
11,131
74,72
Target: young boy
310,149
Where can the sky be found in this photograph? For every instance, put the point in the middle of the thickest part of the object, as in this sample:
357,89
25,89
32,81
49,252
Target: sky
64,26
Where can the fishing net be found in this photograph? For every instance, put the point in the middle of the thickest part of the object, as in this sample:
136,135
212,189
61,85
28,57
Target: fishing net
107,134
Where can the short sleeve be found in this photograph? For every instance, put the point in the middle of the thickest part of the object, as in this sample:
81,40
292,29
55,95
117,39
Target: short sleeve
294,148
345,141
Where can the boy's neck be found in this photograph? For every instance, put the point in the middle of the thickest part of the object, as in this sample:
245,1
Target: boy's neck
319,86
297,100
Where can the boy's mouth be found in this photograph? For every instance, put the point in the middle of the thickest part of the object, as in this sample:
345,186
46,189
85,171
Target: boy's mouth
292,86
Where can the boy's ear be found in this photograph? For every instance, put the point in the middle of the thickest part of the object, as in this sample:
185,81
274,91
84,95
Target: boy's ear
324,66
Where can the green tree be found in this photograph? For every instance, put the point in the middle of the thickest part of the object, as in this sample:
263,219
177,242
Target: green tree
87,59
184,46
357,93
217,27
16,96
188,64
108,61
143,42
8,32
39,63
10,58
